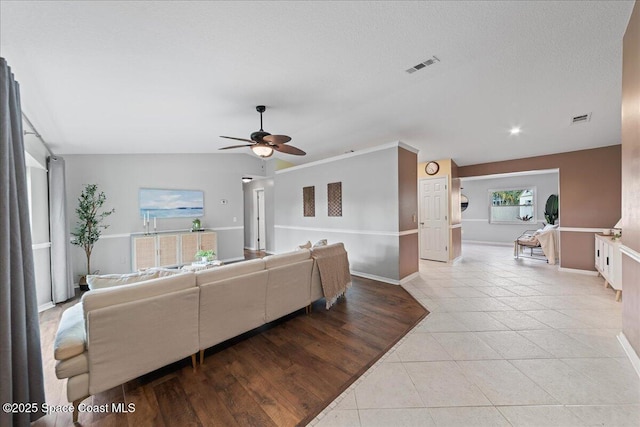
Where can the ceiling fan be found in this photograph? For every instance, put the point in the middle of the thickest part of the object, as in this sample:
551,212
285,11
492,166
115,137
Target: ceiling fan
263,143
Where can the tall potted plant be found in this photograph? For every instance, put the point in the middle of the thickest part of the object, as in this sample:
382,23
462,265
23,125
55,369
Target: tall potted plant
90,223
551,209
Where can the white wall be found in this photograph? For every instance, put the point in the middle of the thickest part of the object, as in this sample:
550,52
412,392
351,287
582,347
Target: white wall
36,164
369,225
475,220
121,177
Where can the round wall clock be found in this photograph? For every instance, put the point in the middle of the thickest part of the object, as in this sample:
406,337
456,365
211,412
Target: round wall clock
432,168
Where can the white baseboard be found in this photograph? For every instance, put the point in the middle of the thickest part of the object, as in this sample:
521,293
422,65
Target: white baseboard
631,353
578,271
456,260
481,242
45,306
263,250
374,277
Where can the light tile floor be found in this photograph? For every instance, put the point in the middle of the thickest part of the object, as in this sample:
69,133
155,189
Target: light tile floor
508,342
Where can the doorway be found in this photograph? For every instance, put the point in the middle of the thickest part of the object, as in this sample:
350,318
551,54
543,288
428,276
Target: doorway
434,222
261,233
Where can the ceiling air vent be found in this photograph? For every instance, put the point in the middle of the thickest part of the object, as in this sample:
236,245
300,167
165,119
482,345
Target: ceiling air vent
581,119
422,65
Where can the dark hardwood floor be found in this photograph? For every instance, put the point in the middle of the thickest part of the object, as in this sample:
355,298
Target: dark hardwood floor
249,254
282,374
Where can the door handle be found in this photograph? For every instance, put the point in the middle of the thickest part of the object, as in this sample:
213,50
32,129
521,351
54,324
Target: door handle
422,223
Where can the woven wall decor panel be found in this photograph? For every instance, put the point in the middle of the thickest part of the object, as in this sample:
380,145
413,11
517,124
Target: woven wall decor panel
334,198
309,201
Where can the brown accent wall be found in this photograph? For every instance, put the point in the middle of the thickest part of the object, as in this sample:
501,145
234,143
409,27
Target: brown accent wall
407,211
456,243
576,258
590,193
631,178
408,255
455,234
407,189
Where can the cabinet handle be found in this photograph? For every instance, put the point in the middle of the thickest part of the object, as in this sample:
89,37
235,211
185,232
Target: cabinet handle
598,253
607,260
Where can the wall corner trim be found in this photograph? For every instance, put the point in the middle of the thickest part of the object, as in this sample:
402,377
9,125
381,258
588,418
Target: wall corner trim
348,155
45,306
374,277
631,353
456,260
583,229
634,255
408,147
45,245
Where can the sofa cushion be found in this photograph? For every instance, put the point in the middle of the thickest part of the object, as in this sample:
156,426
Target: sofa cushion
74,366
229,271
110,280
136,291
288,288
71,336
78,387
130,339
231,307
272,261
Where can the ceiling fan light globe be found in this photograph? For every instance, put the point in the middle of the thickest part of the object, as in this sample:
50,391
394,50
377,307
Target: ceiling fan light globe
263,151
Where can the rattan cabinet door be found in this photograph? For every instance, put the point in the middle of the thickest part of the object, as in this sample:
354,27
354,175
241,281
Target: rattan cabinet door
209,240
189,246
144,252
168,250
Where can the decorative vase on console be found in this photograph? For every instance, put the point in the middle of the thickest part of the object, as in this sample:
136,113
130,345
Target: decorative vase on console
195,225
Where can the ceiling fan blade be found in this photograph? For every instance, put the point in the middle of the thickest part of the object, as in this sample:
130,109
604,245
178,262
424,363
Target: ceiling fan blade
236,146
289,149
237,139
277,139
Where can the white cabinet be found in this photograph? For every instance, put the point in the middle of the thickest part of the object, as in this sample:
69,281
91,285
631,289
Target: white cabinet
169,249
608,262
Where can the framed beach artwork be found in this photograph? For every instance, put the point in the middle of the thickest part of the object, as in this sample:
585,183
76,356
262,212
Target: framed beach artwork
159,203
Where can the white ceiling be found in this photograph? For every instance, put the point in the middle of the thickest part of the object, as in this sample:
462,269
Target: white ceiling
170,77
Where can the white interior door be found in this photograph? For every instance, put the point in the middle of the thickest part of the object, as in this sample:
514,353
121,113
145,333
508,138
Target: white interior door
434,222
260,218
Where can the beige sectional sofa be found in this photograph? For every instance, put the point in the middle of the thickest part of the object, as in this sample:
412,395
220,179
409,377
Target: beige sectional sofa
118,333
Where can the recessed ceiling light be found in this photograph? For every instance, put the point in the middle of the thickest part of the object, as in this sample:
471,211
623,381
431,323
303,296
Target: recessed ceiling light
514,130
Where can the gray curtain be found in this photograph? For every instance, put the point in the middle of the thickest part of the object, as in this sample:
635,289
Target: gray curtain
21,378
61,279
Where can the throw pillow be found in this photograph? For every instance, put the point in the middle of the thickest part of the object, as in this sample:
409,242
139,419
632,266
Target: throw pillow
322,242
305,246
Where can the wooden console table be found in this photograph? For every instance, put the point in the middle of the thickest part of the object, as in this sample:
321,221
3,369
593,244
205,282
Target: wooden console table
169,249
